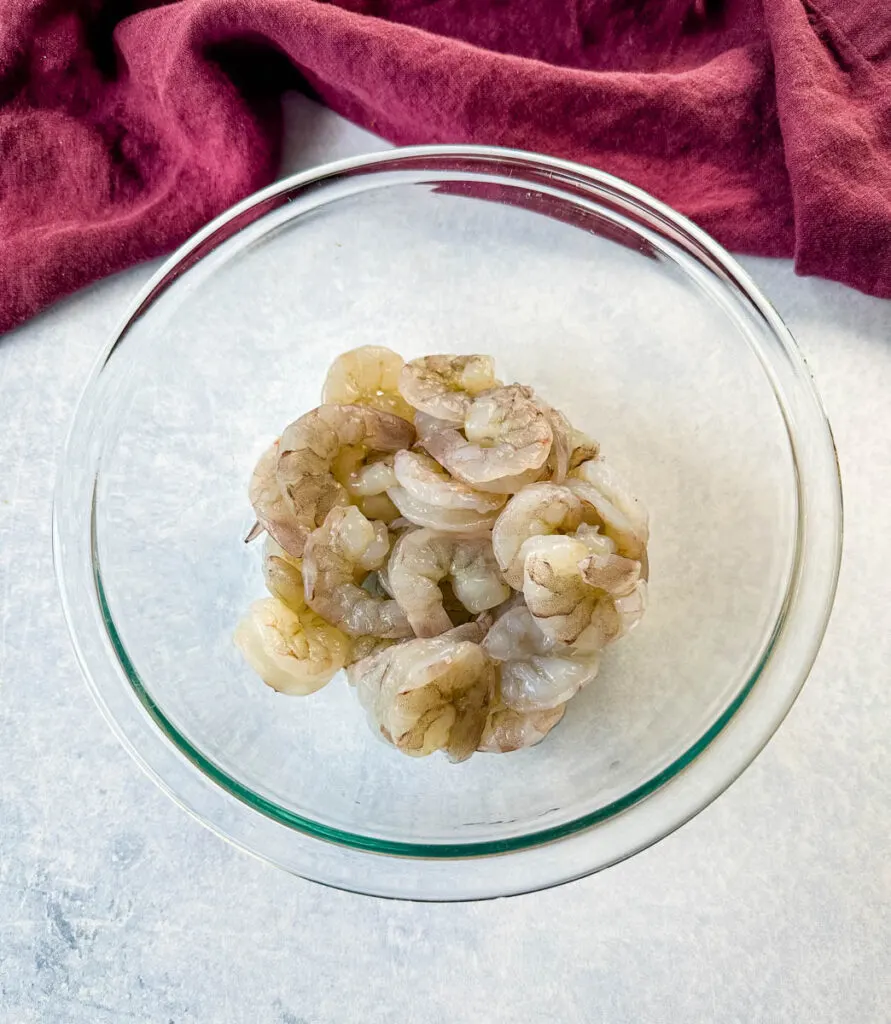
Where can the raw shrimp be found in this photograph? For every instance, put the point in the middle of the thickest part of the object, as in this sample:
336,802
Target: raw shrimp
537,510
293,653
556,594
583,449
612,618
444,386
507,730
283,576
561,449
427,482
506,441
448,520
422,559
367,483
312,445
274,512
367,376
344,549
367,647
537,672
609,504
474,631
579,591
426,695
426,425
615,574
371,478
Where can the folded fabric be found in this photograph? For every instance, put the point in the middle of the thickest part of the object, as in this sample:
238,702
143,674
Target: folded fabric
126,125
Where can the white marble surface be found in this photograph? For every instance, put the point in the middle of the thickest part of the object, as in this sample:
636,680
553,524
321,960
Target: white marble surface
774,905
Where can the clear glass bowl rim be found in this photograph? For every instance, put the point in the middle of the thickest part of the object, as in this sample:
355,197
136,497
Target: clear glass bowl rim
799,628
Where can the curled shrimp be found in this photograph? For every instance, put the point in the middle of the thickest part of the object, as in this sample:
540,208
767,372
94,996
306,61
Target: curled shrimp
274,512
562,446
537,672
583,449
616,575
612,618
555,591
366,647
427,695
422,559
345,548
313,446
610,505
283,576
368,479
435,517
367,483
506,441
537,510
444,386
579,591
294,653
367,376
427,482
508,730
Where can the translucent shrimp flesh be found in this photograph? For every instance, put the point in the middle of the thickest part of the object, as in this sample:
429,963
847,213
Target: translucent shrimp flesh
435,517
444,386
427,482
537,672
537,510
422,560
336,558
293,653
310,446
506,441
609,504
274,512
508,730
426,695
367,376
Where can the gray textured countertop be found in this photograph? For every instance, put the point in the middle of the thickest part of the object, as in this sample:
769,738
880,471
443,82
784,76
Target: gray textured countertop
774,905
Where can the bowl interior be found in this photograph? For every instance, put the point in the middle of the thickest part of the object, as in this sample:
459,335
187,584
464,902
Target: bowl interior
609,320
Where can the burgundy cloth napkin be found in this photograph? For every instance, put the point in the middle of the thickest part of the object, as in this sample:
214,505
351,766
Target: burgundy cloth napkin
125,125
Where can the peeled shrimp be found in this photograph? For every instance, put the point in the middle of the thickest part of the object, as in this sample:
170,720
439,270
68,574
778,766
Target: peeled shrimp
507,730
345,548
293,653
448,520
506,441
312,445
367,483
274,512
369,479
427,482
556,594
283,576
537,672
427,695
579,591
444,386
612,618
422,559
583,449
609,504
615,574
367,376
561,449
537,510
366,647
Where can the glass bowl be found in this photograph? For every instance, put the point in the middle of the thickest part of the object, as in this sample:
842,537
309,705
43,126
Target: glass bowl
621,313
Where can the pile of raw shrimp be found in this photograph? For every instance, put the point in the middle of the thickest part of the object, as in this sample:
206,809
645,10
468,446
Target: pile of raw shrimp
453,542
